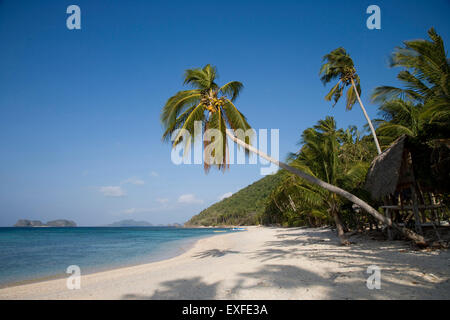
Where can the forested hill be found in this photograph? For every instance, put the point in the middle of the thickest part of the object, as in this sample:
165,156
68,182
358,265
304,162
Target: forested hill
242,208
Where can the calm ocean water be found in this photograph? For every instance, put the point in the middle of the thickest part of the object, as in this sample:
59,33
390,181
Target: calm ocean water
34,253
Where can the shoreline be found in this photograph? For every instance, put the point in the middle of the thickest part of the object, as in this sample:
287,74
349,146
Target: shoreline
265,263
184,246
51,280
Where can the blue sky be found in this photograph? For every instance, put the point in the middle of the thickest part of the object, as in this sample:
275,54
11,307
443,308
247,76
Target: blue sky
80,136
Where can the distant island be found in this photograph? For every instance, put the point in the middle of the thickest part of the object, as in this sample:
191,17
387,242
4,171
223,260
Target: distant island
130,223
134,223
37,223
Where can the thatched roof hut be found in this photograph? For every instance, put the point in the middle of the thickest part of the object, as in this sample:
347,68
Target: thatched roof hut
384,173
404,173
405,162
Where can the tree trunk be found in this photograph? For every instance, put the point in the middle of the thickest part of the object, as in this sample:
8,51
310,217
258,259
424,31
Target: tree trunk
339,227
367,118
347,195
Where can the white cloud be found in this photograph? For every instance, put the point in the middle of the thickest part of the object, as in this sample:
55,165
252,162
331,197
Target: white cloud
154,174
162,200
226,195
134,180
113,191
130,211
189,199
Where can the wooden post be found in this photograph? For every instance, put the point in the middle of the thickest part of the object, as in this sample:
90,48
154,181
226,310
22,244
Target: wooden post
416,210
436,214
389,229
387,201
421,201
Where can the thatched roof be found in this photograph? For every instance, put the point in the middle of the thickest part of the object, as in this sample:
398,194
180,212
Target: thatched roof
384,172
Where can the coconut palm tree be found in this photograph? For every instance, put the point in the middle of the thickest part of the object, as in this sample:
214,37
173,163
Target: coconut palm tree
214,107
400,117
339,65
425,74
208,103
425,78
295,202
320,156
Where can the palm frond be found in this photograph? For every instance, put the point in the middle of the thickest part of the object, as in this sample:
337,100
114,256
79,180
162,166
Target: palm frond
236,120
197,114
177,103
201,78
217,142
232,89
208,104
425,74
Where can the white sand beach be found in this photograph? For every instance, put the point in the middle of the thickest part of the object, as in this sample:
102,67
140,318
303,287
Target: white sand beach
266,263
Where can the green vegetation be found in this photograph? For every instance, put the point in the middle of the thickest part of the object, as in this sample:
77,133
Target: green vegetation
243,208
339,65
323,182
337,156
343,157
422,108
206,103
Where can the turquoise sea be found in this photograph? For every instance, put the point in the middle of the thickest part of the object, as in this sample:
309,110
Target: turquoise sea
37,253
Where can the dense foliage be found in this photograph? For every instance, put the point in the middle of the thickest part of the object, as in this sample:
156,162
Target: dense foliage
421,108
242,208
336,156
341,157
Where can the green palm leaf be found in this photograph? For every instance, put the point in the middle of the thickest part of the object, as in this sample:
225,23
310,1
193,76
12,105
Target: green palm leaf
211,105
232,89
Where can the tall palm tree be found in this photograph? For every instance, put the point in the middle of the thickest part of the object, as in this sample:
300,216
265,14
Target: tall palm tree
425,77
400,117
208,103
320,157
339,65
425,74
214,107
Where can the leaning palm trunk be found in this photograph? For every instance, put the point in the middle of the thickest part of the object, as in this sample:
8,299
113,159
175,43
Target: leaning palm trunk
418,239
367,118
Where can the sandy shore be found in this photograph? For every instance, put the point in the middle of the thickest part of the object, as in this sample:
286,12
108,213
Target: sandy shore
266,263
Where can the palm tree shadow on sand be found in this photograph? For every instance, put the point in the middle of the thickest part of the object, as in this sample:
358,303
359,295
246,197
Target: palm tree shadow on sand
214,253
347,280
409,269
193,288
